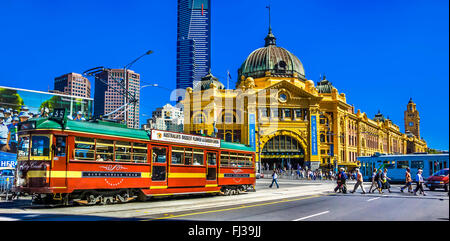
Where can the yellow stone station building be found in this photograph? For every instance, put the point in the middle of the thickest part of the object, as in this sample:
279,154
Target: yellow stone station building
290,120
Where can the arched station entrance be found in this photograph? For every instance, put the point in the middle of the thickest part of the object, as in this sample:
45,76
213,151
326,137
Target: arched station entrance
282,151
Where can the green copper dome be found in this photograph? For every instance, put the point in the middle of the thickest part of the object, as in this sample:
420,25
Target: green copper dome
277,60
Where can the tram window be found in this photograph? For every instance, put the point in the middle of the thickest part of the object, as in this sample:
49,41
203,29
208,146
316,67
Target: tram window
23,147
159,154
198,157
177,155
212,159
188,156
242,160
139,152
104,150
84,148
402,164
40,146
234,159
417,164
60,149
224,159
389,164
249,160
123,151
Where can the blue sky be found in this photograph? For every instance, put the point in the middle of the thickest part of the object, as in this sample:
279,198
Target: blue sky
379,53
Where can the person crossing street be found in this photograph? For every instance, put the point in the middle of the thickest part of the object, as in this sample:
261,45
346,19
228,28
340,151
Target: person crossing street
274,179
408,181
359,182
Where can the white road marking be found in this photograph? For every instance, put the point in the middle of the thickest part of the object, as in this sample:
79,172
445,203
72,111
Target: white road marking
373,199
310,216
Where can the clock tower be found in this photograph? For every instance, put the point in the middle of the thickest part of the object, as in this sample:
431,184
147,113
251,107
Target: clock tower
412,119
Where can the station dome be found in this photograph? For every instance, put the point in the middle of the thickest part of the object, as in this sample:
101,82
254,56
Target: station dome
271,58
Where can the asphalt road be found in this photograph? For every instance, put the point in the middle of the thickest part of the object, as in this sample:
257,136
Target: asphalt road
328,206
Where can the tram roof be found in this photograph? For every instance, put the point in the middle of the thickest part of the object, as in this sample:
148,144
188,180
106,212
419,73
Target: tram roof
114,129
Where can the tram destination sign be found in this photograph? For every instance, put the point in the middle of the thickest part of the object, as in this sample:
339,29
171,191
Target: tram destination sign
175,137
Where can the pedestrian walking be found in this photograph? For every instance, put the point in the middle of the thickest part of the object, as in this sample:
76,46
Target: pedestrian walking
419,183
374,182
340,180
385,180
274,179
408,181
378,181
359,182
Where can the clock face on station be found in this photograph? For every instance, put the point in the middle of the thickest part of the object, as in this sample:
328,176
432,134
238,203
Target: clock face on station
411,123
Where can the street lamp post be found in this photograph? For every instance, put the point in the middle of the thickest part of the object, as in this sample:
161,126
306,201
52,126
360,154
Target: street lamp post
134,100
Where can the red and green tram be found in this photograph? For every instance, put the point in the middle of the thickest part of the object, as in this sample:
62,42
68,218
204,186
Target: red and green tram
92,162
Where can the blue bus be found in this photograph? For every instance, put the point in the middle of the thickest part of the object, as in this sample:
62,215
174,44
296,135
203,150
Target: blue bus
397,164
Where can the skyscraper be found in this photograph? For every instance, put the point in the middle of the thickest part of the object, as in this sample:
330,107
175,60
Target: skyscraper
112,92
73,84
193,41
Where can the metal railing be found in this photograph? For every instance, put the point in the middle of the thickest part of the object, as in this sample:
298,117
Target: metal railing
6,185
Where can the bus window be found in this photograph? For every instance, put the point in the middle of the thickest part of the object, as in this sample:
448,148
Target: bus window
417,164
198,157
177,155
123,151
402,164
139,152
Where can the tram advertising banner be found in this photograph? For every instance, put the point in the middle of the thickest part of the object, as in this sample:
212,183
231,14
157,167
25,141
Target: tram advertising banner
175,137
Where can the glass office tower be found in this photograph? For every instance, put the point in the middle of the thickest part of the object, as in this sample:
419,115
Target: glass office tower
193,41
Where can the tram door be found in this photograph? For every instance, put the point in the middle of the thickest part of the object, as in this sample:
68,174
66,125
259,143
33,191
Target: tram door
59,161
159,166
211,169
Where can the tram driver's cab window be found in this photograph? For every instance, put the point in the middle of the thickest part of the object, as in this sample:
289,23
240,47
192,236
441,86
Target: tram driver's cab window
60,146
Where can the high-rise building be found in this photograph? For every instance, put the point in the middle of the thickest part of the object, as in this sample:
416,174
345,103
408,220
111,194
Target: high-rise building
193,41
113,91
168,118
73,84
